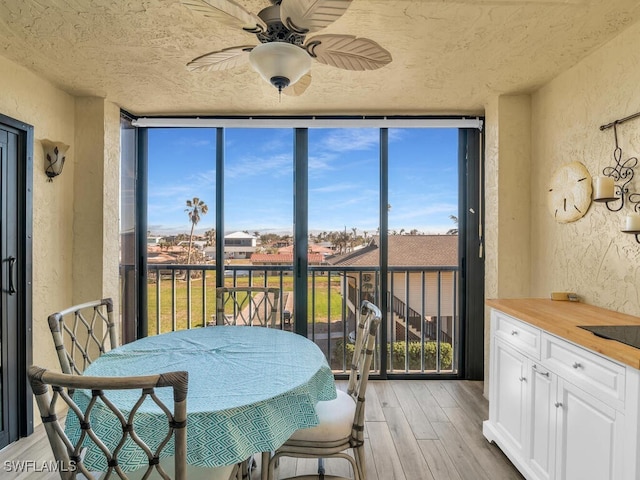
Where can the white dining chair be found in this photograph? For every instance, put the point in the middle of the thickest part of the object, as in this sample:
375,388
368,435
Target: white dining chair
253,307
51,392
341,421
82,333
248,306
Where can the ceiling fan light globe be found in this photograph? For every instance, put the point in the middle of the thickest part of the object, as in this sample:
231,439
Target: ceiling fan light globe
280,61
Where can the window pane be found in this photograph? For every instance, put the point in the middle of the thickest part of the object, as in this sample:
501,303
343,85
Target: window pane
128,228
423,248
344,200
258,183
258,213
181,227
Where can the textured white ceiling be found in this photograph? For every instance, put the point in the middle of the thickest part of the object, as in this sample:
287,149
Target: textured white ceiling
449,56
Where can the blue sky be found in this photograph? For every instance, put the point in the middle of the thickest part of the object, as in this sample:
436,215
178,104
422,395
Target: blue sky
344,179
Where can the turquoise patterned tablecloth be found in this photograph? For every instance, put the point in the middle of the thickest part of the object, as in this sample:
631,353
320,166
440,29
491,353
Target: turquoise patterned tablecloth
249,390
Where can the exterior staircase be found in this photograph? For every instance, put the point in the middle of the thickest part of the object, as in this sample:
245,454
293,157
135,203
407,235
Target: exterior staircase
402,311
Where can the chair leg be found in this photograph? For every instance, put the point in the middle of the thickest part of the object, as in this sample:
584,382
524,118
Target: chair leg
321,468
264,468
245,468
358,453
271,466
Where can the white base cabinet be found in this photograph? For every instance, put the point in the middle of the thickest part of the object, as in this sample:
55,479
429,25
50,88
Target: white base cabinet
542,421
509,405
558,410
589,436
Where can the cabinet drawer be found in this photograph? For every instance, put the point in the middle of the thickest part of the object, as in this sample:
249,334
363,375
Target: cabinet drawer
524,337
595,374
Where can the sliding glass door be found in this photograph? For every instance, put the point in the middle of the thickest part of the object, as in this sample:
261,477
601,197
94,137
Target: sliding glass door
381,214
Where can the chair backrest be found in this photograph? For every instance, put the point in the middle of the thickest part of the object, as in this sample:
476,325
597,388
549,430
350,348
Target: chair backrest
251,306
82,333
69,455
368,323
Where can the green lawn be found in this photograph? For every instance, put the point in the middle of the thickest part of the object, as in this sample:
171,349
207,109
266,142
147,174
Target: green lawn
200,304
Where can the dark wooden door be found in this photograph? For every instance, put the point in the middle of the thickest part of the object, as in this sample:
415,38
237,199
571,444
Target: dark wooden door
16,408
8,295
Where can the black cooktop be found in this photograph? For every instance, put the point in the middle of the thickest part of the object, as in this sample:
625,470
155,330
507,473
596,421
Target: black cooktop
629,334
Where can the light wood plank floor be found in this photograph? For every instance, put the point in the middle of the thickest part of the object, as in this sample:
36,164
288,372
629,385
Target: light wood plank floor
416,430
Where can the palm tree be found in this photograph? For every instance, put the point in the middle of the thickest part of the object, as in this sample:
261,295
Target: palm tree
195,208
210,235
453,231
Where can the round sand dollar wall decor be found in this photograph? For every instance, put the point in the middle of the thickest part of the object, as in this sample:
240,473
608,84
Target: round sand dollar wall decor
569,194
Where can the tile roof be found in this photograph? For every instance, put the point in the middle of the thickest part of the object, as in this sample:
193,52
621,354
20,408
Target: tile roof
313,248
313,258
405,251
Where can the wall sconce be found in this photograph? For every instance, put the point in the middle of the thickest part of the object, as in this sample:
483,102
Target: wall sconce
632,225
54,156
632,221
605,188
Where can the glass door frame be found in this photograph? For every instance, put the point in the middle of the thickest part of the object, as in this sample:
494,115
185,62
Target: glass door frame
18,321
471,220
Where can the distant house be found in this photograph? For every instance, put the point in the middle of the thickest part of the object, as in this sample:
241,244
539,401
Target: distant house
428,294
155,240
209,253
239,245
327,245
313,248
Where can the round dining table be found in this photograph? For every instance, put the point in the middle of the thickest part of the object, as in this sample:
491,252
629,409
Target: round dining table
250,388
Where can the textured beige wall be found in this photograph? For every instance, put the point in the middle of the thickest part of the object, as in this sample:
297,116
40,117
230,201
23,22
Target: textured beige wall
507,202
96,200
27,98
111,207
75,217
590,256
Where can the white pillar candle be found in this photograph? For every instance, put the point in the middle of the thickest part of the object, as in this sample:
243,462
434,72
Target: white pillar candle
604,188
633,223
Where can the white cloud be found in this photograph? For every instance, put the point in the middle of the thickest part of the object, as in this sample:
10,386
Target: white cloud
337,187
346,140
275,165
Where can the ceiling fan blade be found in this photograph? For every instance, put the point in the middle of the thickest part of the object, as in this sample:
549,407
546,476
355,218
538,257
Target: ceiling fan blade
299,87
304,16
348,52
227,12
221,60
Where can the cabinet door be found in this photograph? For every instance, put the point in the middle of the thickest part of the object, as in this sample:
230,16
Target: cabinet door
589,436
509,400
542,421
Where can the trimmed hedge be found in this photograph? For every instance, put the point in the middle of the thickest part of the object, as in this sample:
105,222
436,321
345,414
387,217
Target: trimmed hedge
397,357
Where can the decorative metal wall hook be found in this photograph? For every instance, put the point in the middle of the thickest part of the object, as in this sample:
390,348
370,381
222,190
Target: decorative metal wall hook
621,173
613,187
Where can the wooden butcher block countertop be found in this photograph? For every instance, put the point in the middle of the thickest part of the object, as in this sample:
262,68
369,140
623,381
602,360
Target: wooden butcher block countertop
562,318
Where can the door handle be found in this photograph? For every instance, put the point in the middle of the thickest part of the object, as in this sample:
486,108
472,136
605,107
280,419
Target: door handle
12,263
545,374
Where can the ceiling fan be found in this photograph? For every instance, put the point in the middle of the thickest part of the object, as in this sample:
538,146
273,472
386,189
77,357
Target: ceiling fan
284,55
